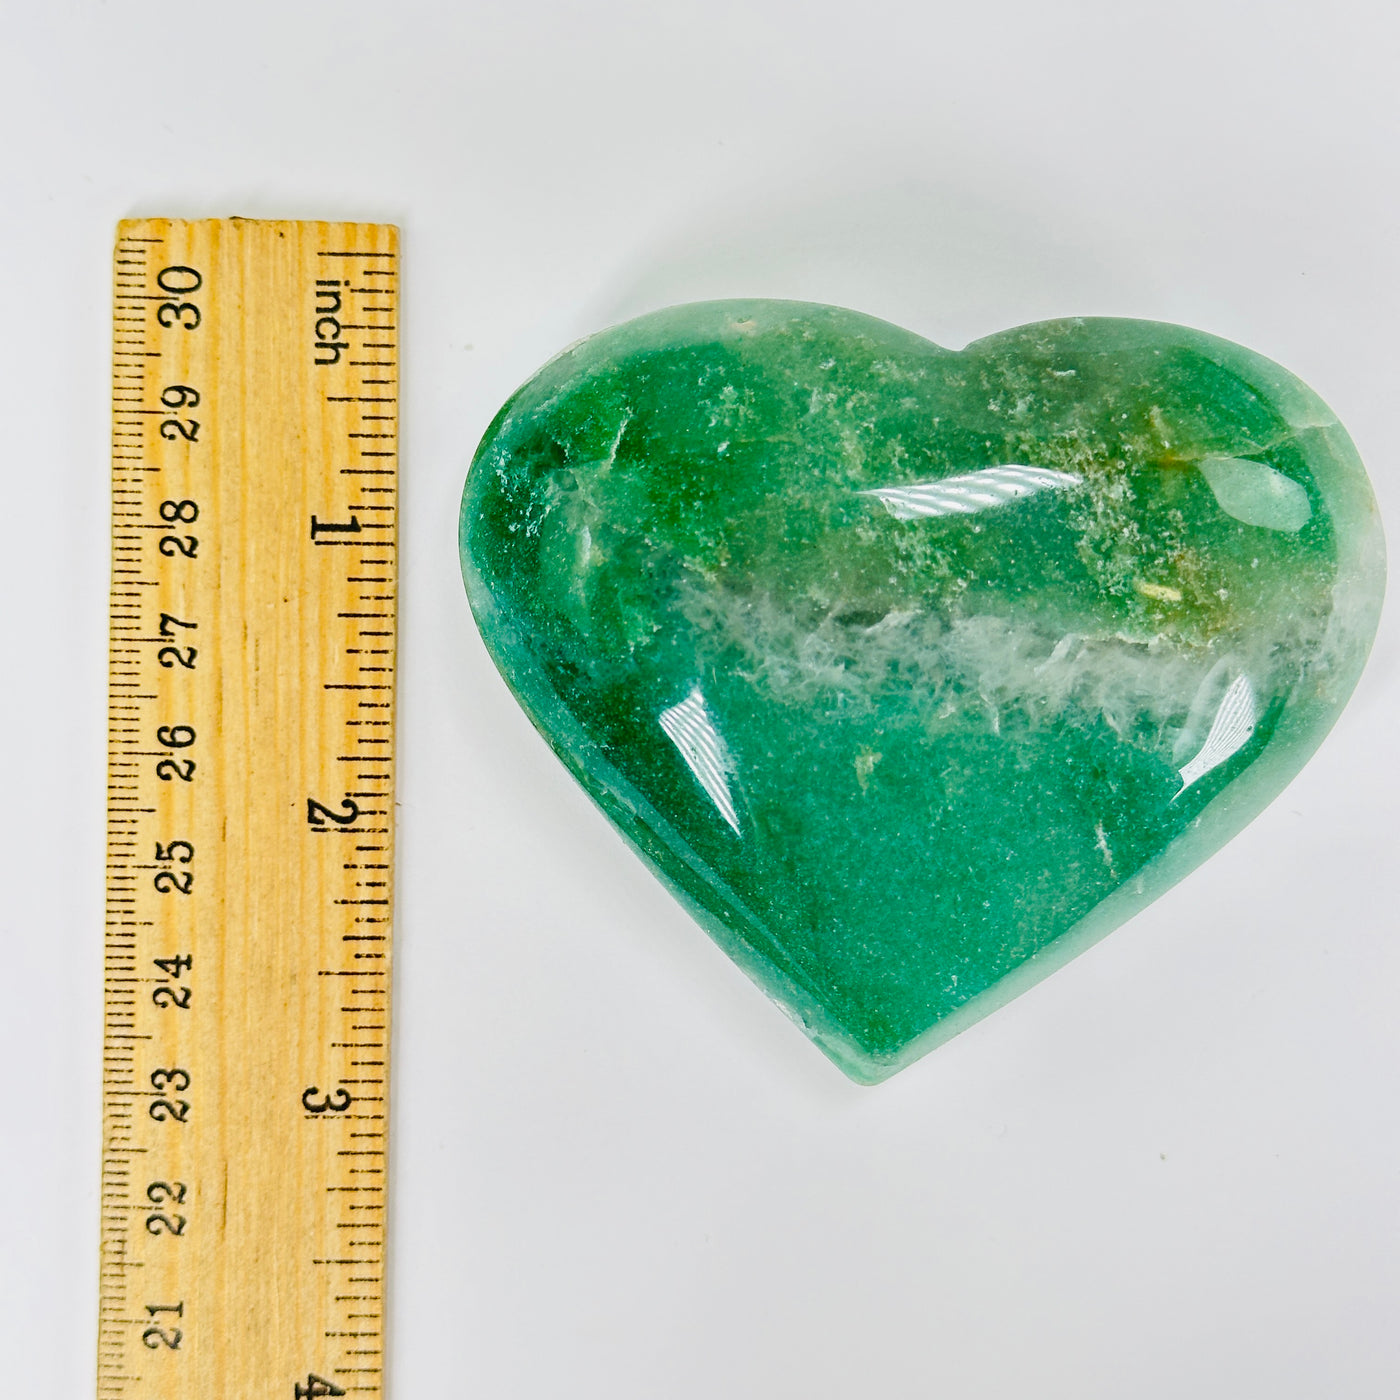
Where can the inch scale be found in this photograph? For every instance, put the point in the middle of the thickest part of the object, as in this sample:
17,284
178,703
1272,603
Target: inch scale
250,810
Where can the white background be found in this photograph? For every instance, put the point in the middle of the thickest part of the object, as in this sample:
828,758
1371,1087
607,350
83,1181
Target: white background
618,1173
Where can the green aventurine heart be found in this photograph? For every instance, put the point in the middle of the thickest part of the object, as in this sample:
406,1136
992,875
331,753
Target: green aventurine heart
914,672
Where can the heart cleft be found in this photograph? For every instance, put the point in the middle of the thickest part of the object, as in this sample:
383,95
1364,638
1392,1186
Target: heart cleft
913,672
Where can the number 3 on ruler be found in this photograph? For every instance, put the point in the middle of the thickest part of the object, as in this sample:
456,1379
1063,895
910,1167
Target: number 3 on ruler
337,1102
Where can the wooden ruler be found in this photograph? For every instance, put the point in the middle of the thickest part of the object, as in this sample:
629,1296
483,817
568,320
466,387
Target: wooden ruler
250,810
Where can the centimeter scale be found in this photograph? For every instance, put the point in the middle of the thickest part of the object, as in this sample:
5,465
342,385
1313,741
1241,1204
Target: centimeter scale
250,810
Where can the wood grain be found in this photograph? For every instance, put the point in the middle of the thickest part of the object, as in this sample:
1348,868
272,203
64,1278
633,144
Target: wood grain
260,1261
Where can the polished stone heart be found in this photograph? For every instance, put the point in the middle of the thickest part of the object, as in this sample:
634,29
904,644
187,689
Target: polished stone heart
914,672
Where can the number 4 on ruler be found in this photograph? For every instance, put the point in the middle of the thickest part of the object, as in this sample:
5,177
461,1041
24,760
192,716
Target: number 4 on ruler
316,1387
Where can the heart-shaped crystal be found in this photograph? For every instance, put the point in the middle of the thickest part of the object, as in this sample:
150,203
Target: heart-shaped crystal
913,672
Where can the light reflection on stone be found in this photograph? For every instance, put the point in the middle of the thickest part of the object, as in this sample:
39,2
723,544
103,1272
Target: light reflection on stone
1230,730
969,492
689,727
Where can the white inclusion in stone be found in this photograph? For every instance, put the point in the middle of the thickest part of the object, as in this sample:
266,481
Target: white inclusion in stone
689,727
1257,494
970,492
1230,730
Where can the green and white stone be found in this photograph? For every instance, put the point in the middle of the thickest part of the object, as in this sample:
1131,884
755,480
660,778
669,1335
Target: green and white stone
913,672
